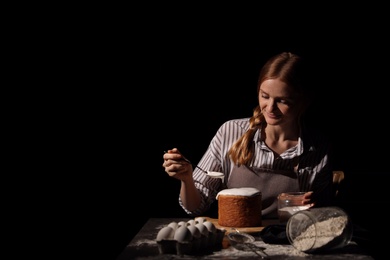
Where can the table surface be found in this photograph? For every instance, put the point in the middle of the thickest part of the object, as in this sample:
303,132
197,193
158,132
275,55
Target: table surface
144,246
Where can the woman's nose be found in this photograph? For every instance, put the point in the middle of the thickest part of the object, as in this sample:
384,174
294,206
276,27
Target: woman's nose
271,106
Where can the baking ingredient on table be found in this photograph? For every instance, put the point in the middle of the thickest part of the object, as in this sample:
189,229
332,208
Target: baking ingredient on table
165,233
200,220
319,229
188,237
183,234
210,226
173,225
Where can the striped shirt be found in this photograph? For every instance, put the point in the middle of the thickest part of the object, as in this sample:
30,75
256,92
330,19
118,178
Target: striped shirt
314,171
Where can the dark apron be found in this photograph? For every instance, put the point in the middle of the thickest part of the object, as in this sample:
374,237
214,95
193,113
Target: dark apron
269,182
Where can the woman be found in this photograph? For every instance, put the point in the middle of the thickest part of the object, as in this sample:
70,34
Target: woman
273,150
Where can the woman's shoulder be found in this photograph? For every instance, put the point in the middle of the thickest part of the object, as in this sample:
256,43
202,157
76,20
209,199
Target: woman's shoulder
234,127
231,130
238,123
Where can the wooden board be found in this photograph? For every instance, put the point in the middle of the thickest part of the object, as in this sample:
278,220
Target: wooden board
265,223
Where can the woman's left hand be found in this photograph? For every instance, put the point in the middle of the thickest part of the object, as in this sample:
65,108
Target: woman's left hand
307,199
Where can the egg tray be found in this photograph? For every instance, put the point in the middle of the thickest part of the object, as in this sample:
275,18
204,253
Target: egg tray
196,236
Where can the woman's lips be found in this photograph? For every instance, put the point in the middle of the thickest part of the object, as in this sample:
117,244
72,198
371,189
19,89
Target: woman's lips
273,116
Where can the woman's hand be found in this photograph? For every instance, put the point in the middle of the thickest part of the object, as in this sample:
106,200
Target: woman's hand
176,166
308,199
305,199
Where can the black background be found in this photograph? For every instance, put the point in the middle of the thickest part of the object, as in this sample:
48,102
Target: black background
132,86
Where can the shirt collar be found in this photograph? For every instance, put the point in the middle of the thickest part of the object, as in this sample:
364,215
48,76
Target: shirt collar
298,150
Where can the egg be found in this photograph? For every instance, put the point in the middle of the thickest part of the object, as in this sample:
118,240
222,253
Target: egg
200,219
194,231
191,222
165,233
210,226
182,234
173,225
203,229
182,223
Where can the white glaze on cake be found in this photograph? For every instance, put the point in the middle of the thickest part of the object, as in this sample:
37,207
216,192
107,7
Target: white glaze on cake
244,191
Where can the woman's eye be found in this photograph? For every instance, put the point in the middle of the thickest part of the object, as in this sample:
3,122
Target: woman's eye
287,102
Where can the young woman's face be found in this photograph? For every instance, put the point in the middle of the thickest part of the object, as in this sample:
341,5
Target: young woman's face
278,102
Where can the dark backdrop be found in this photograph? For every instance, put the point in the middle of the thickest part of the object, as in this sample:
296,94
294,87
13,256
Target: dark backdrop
147,89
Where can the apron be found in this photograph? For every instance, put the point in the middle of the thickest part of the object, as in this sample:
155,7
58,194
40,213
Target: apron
269,182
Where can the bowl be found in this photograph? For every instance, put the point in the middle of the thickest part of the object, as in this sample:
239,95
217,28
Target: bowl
290,203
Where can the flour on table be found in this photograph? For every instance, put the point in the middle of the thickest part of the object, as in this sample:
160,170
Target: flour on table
144,242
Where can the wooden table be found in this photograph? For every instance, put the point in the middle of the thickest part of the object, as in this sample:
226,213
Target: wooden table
144,246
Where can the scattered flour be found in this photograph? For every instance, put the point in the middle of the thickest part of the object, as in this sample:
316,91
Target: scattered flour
273,250
141,242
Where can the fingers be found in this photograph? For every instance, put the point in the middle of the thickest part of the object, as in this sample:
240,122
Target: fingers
178,171
173,154
174,163
174,157
176,166
307,195
307,198
169,162
171,173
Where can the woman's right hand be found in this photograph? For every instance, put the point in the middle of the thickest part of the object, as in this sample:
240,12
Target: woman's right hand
176,166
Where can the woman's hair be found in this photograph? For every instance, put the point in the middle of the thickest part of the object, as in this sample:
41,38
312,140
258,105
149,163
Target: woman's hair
286,67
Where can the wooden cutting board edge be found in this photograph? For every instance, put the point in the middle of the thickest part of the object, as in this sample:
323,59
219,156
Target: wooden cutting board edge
243,229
